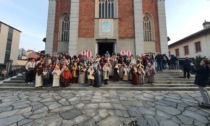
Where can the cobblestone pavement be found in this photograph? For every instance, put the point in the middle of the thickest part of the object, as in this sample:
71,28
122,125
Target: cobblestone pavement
101,108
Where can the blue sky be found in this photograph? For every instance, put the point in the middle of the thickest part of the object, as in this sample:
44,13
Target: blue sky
184,17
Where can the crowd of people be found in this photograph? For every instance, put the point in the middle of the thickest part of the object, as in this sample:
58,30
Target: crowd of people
63,70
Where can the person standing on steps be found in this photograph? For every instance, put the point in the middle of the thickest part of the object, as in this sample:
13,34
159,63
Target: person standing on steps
201,79
186,67
30,73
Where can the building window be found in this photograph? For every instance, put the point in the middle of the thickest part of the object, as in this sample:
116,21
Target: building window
106,8
65,26
197,47
186,50
148,27
8,46
177,52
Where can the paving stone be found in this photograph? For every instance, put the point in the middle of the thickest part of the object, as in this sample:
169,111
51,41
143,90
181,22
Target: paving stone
197,123
91,106
141,122
147,111
151,120
88,122
80,106
118,106
5,108
62,109
13,112
80,119
110,121
54,106
96,100
168,103
121,113
148,95
68,123
105,106
86,98
10,120
68,115
97,118
63,101
48,100
111,113
169,110
185,120
176,120
24,121
74,99
163,114
43,109
38,115
134,112
103,113
89,112
168,123
195,116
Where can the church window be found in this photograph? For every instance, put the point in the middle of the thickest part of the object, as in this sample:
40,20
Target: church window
65,26
148,27
106,8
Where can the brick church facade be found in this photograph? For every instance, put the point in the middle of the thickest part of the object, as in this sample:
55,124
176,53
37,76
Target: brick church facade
101,25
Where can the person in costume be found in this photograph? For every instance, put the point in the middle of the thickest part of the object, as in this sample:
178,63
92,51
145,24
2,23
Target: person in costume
82,70
65,77
39,72
74,72
150,72
135,78
91,74
106,71
56,76
97,78
125,72
116,76
30,71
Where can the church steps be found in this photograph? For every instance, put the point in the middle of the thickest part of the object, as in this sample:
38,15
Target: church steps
106,88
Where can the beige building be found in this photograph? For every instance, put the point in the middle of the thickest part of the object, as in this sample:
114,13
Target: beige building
193,45
9,41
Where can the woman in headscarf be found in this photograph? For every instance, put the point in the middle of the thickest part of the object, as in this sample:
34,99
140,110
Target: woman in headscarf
135,78
39,72
150,72
82,70
106,71
65,77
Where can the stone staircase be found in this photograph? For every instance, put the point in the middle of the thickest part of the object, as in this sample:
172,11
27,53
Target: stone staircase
166,80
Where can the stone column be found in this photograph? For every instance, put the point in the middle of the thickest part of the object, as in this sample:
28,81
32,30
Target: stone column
74,24
162,27
50,27
138,22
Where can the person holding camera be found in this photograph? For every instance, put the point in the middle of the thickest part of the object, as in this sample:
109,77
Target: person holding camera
202,79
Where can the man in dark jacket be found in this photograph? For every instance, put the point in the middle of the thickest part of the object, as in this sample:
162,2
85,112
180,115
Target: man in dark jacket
186,67
201,79
159,60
